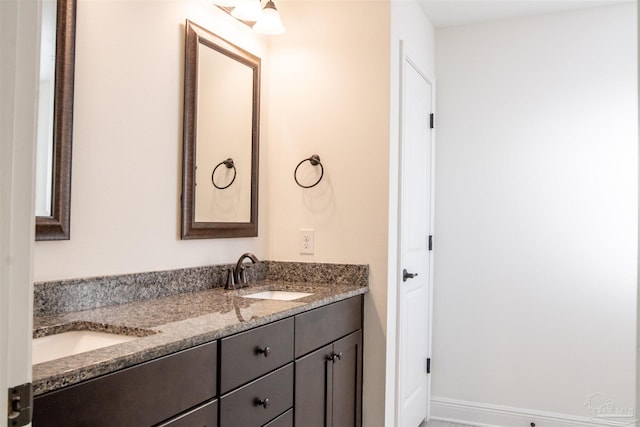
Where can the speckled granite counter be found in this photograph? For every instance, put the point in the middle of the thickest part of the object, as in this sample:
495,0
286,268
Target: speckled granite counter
173,323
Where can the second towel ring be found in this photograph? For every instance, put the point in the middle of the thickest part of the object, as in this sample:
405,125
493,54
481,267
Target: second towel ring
229,164
315,161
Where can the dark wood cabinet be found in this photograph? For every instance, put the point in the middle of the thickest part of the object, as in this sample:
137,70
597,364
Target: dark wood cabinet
328,382
142,395
312,373
304,370
346,387
329,385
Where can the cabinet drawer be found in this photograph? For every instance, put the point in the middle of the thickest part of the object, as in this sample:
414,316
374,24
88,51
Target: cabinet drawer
284,420
326,324
242,408
203,416
142,395
248,355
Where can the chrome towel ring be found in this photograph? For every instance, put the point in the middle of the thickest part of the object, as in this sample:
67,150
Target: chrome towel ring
229,164
315,161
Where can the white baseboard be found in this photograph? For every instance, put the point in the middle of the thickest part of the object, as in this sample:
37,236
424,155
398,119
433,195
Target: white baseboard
487,415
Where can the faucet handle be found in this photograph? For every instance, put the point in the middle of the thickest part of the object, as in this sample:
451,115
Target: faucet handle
231,283
243,273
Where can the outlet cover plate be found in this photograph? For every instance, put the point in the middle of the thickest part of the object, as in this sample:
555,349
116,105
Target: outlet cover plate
306,241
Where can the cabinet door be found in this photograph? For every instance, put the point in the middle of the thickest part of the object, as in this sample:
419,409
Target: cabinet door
347,381
313,374
329,385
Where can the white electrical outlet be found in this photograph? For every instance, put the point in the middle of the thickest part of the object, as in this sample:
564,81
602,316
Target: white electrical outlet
306,241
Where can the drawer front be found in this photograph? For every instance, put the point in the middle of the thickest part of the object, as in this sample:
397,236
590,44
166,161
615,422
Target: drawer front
284,420
248,355
241,408
142,395
203,416
326,324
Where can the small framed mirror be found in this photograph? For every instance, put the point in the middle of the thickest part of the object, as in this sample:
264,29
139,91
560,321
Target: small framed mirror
221,130
55,123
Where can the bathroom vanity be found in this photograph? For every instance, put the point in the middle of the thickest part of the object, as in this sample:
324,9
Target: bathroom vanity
216,358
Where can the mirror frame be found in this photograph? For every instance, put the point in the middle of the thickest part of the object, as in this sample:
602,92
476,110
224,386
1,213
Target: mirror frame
196,35
57,226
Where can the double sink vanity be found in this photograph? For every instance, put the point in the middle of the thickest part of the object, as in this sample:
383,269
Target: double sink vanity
275,353
176,348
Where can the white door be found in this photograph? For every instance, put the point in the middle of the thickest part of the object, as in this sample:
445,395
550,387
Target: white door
19,69
414,275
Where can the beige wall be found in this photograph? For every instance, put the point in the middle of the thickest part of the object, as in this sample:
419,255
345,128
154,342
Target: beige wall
330,96
127,142
325,91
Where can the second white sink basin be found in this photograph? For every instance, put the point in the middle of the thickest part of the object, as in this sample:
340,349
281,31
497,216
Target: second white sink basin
69,343
278,295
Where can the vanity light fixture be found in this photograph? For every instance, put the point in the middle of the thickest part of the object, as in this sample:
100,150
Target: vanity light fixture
247,10
264,21
270,22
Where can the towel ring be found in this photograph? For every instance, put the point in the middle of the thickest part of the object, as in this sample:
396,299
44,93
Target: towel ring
315,161
229,164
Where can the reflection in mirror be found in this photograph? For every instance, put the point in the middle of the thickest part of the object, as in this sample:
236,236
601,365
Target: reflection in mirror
44,151
220,153
55,120
223,131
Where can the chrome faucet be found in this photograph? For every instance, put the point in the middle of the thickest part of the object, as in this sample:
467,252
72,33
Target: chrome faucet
237,277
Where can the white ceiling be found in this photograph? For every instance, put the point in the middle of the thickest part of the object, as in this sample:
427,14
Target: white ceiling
446,13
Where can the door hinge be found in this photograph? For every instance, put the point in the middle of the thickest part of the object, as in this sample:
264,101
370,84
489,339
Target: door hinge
20,407
430,243
428,365
431,120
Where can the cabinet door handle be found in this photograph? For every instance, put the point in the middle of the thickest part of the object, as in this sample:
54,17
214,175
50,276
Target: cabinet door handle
263,402
264,351
335,356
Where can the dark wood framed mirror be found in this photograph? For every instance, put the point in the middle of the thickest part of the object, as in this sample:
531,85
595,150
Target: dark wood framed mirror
221,132
53,221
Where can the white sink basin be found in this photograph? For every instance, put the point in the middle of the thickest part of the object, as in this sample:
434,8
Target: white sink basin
278,295
73,342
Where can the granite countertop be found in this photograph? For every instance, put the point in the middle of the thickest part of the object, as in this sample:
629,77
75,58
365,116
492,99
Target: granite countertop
170,324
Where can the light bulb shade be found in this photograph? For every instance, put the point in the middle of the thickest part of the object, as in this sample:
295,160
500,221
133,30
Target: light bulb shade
247,10
270,22
225,3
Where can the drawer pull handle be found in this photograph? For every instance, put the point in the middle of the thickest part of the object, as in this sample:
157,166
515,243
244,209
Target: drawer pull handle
263,402
335,356
265,351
